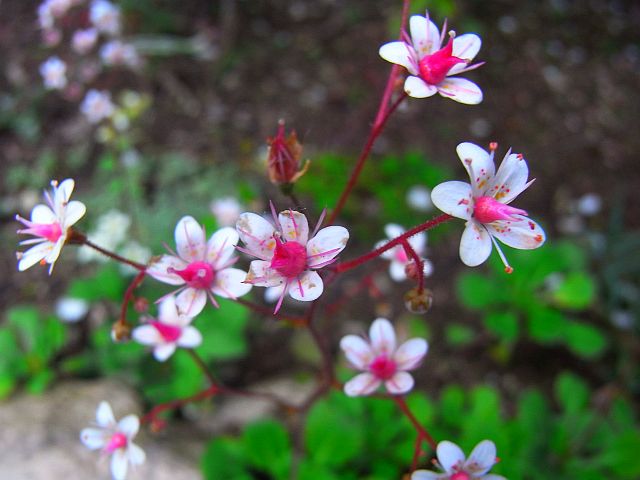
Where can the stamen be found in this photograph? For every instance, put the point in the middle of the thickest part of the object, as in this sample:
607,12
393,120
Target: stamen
507,268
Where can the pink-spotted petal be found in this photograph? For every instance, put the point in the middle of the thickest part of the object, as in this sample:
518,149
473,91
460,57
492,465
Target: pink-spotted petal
257,235
482,458
382,336
449,455
461,90
160,267
418,88
34,255
401,382
361,384
424,35
43,214
190,240
129,425
523,233
295,226
262,275
510,180
397,271
119,464
221,246
146,335
272,294
190,338
135,454
93,438
475,245
75,211
357,351
54,253
401,54
307,287
466,47
190,302
326,245
162,352
104,415
454,198
230,283
410,353
479,165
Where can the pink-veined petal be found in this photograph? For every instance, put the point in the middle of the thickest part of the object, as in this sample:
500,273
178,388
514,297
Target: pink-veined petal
382,336
104,415
229,283
34,255
461,90
190,239
466,47
159,269
326,245
361,384
93,438
418,88
475,245
510,180
397,271
400,383
524,233
427,475
295,226
449,455
307,287
357,351
135,454
424,35
75,211
262,275
479,165
190,302
221,246
43,215
454,198
410,353
190,338
401,54
257,235
119,464
129,425
146,335
482,458
163,352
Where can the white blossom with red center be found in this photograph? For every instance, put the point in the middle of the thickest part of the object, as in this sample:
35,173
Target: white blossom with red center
201,267
397,256
381,361
455,466
484,204
170,330
432,66
115,439
49,225
287,256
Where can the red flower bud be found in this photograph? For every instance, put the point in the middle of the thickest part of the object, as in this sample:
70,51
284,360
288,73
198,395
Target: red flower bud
284,157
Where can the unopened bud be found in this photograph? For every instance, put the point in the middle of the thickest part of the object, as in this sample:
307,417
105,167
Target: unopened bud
121,331
418,302
157,425
283,162
141,305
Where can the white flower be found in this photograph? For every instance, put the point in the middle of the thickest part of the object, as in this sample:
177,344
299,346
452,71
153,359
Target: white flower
97,106
54,73
111,230
117,52
287,255
381,361
201,267
115,439
397,255
71,310
84,40
419,198
226,210
45,15
172,329
49,224
455,466
484,205
105,16
430,65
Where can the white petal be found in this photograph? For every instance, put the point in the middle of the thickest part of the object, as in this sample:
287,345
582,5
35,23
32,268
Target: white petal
493,476
93,438
454,198
262,275
427,267
159,267
382,336
424,35
418,242
295,226
190,240
190,302
400,383
326,245
482,458
146,335
524,234
418,88
136,454
63,192
397,271
75,211
393,230
43,214
466,47
163,352
410,353
221,246
167,311
387,254
34,255
229,283
475,245
479,165
362,384
449,455
400,53
272,294
357,351
461,90
119,464
104,415
257,235
510,180
307,287
426,475
190,338
129,425
54,253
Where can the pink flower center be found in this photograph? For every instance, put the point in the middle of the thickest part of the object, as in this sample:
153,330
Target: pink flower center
434,67
169,333
488,209
196,275
460,476
401,255
383,367
289,259
50,231
117,440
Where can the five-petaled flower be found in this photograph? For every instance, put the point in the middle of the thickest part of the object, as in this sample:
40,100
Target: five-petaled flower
431,66
381,361
287,256
170,330
50,225
201,267
115,439
399,260
455,466
484,204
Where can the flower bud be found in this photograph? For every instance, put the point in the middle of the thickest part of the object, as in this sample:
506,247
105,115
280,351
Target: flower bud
418,302
284,157
120,331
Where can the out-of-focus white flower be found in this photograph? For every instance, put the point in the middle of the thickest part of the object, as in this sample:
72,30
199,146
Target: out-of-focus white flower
54,73
71,310
226,210
136,252
84,40
116,52
397,255
115,439
381,361
455,466
419,198
45,16
105,16
589,204
97,106
111,230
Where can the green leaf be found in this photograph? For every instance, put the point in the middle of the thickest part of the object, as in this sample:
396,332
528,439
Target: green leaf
26,322
577,291
546,325
40,381
223,459
621,456
106,283
571,392
585,340
223,331
267,447
178,377
312,471
475,291
7,384
503,324
458,334
452,401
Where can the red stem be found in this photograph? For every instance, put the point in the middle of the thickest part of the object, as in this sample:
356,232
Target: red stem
128,295
418,261
422,432
172,405
114,256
